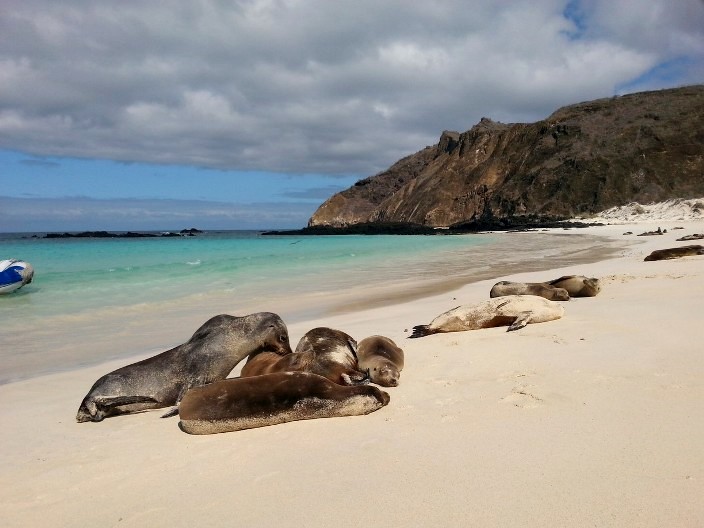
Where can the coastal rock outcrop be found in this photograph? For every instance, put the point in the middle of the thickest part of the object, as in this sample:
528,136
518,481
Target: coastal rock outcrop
582,159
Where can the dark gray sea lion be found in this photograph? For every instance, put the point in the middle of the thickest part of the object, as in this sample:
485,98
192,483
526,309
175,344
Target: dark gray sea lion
695,236
552,293
382,359
676,252
324,351
514,311
243,403
651,233
162,380
577,285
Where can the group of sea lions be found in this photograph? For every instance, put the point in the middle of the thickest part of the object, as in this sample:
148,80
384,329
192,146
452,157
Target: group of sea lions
513,304
327,375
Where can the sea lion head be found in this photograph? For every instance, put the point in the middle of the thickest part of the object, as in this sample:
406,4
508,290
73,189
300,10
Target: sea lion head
592,285
560,294
271,333
386,375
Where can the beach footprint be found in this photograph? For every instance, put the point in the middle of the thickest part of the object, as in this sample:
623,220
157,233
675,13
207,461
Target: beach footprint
515,374
524,397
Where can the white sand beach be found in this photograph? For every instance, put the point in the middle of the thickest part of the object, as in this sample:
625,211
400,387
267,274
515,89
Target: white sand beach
595,419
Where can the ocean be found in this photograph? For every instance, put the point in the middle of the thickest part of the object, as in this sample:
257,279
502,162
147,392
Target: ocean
96,299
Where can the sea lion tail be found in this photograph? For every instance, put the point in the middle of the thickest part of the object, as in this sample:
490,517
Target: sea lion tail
421,331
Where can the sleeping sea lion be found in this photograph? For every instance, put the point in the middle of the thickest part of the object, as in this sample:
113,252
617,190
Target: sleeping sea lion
676,252
516,311
162,380
382,359
552,293
324,351
577,285
243,403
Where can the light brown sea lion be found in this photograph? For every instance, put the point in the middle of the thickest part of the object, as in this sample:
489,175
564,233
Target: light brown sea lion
577,285
516,311
324,351
382,359
162,380
676,252
551,293
243,403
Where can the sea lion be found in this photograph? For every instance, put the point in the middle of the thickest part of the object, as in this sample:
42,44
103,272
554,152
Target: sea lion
695,236
324,351
651,233
382,359
577,285
243,403
676,252
162,380
516,311
552,293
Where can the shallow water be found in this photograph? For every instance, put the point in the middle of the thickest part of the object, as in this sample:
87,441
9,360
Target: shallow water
97,299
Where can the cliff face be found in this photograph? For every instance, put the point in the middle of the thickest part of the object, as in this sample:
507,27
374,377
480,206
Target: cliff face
582,159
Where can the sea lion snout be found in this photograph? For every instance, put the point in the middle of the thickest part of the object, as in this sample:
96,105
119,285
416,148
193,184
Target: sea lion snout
284,348
389,376
276,339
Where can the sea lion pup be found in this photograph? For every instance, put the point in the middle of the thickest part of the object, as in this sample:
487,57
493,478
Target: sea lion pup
676,252
516,311
551,293
324,351
243,403
382,359
577,285
162,380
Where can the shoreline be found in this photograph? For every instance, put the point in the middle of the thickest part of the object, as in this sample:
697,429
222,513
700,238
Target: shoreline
593,419
418,291
64,342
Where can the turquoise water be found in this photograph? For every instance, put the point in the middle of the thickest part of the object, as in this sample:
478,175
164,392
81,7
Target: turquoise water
78,275
97,299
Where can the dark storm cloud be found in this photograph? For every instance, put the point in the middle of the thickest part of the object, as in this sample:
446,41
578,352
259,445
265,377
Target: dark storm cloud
343,87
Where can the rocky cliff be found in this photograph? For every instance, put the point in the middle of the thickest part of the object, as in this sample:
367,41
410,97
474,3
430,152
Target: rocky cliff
582,159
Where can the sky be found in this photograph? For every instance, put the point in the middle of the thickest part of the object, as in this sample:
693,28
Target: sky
126,115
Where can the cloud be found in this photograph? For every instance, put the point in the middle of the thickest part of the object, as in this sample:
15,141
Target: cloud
41,163
82,213
315,193
324,87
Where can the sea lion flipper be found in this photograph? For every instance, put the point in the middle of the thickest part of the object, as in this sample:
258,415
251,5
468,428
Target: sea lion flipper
420,331
555,281
522,319
171,412
353,377
94,409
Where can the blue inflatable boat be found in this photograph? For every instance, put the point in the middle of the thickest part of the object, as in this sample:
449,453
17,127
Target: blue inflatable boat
14,274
